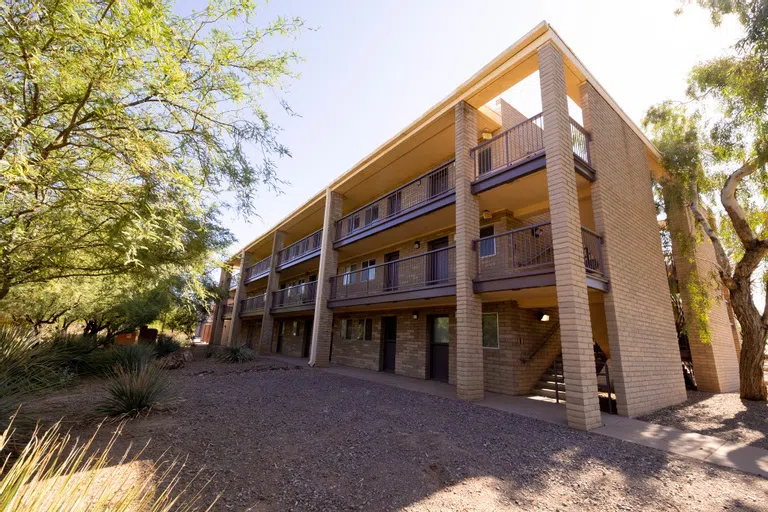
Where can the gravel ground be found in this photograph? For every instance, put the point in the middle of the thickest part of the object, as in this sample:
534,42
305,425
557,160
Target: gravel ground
722,415
280,437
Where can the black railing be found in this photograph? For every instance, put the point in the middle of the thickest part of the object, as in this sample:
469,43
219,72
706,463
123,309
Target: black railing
299,295
529,248
580,141
431,268
505,149
257,270
427,187
308,244
520,142
252,304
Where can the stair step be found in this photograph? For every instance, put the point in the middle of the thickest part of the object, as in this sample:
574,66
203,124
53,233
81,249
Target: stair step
550,384
549,393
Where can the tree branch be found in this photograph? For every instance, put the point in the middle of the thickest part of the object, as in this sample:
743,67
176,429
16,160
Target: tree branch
722,257
733,208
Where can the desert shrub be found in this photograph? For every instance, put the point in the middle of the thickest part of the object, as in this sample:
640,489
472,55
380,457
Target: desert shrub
239,354
80,355
165,345
135,390
54,473
130,357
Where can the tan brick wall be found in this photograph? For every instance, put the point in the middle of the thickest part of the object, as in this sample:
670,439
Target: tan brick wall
469,350
357,353
715,364
217,336
292,344
573,304
273,280
510,116
329,260
520,332
640,322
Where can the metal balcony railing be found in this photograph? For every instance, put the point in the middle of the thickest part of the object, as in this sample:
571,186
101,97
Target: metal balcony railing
427,187
432,268
234,281
521,142
299,295
529,248
308,244
258,269
517,143
252,304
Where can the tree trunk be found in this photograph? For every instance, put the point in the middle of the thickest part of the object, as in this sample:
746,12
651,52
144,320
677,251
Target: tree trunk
753,336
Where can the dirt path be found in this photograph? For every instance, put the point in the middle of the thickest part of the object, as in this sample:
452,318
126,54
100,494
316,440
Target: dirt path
281,437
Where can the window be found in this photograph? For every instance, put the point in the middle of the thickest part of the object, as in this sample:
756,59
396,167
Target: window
370,274
487,247
357,329
349,274
353,223
490,330
371,214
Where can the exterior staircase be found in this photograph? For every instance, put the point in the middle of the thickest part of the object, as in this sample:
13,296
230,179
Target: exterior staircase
552,383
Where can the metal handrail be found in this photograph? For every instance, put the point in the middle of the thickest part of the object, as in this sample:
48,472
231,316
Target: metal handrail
514,144
306,294
580,141
420,255
284,255
255,303
448,185
257,269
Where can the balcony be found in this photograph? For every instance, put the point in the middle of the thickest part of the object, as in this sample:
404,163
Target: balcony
431,191
524,258
253,305
295,298
234,281
303,250
228,311
257,270
424,276
519,151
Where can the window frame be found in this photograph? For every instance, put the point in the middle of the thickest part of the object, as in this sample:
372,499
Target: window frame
498,341
370,274
489,242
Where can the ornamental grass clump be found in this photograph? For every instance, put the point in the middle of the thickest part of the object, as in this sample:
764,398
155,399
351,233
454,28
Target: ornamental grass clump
240,354
53,473
135,390
132,358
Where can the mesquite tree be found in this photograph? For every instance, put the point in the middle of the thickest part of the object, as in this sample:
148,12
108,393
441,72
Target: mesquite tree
715,147
121,124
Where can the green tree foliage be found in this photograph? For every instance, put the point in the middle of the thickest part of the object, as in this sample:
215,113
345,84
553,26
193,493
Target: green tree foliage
715,148
121,126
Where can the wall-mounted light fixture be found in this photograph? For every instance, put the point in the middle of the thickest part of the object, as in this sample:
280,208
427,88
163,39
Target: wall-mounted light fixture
543,317
487,135
415,315
487,214
417,244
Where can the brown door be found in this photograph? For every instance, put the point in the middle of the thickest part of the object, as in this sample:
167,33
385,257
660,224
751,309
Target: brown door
280,329
437,262
390,271
439,337
307,338
389,342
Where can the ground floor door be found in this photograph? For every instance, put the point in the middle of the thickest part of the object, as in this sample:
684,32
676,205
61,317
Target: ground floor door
250,335
439,336
307,338
389,342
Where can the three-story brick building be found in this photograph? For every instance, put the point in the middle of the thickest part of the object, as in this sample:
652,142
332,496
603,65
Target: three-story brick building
488,249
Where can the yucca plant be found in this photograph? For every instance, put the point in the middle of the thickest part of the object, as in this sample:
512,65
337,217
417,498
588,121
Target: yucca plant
53,473
135,390
132,357
239,354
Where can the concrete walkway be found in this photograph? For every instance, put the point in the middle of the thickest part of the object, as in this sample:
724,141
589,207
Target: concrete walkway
688,444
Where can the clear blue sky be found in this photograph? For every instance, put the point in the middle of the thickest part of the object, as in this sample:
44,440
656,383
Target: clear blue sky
373,67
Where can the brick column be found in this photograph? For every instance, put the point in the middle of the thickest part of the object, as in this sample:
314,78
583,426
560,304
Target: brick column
582,405
273,282
218,310
236,323
715,363
469,328
322,326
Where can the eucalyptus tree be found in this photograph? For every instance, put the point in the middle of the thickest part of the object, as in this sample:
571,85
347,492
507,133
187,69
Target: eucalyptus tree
715,146
123,124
